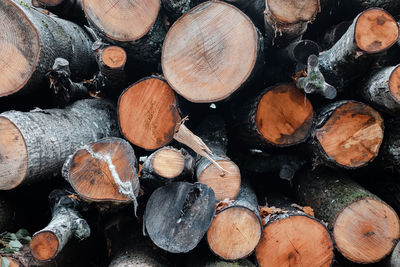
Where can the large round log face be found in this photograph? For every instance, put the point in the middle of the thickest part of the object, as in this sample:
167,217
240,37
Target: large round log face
352,135
203,58
295,241
234,233
148,114
13,155
225,186
125,20
366,230
284,116
96,170
293,11
375,31
19,48
44,246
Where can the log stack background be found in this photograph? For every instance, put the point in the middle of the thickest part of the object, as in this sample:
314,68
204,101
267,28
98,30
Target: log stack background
199,133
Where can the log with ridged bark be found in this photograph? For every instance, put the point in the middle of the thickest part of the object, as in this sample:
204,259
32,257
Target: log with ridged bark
104,171
389,155
203,58
236,228
364,227
66,222
286,21
226,182
178,215
382,90
371,33
32,41
66,9
164,166
394,259
35,144
347,134
142,39
292,237
279,116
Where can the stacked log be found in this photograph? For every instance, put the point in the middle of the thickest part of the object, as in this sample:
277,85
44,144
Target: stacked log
165,127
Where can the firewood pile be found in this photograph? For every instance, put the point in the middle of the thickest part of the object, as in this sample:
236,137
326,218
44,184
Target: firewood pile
199,133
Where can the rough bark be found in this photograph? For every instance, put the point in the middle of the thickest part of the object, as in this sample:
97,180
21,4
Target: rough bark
389,155
210,57
165,166
353,55
104,171
178,215
364,227
392,6
225,182
286,22
43,38
176,8
381,90
254,9
43,139
347,134
292,236
144,42
334,34
66,9
258,120
66,222
236,228
395,257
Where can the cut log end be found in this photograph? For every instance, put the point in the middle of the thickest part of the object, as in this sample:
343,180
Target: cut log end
112,18
366,231
100,170
284,116
352,135
295,241
114,57
394,84
375,31
168,163
44,246
234,233
202,50
148,114
13,155
225,185
293,11
19,48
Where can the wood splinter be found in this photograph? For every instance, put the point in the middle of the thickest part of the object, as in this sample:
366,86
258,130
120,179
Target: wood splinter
149,117
66,222
315,82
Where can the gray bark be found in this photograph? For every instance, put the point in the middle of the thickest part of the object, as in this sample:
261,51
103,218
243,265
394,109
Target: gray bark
345,62
176,8
66,222
52,135
376,91
389,154
395,257
67,9
58,38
